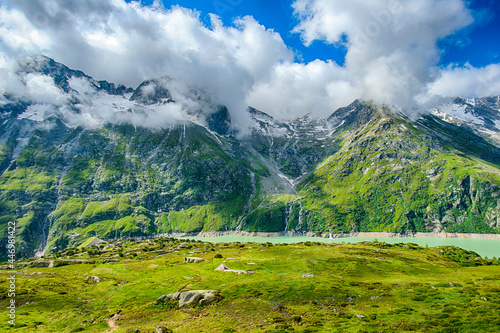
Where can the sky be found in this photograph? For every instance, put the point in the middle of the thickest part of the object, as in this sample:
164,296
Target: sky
478,45
287,58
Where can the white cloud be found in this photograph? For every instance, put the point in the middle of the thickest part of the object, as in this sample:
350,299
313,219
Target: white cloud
41,89
391,43
467,81
17,32
91,108
292,89
391,57
128,43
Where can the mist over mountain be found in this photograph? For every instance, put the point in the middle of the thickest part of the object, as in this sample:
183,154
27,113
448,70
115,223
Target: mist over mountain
81,158
123,119
392,54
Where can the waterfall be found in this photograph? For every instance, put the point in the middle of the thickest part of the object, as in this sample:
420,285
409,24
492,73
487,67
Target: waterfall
287,217
45,227
300,217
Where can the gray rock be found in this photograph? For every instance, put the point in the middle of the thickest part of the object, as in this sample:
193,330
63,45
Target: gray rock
173,296
192,297
193,259
169,297
208,298
92,279
188,298
195,297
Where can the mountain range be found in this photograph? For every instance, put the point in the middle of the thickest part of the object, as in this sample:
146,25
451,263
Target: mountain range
83,158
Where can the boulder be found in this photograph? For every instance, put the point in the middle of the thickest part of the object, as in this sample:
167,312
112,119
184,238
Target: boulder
193,259
222,267
307,275
92,279
209,298
192,297
169,297
188,298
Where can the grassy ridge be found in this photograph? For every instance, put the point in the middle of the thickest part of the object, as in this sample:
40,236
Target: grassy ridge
391,177
364,287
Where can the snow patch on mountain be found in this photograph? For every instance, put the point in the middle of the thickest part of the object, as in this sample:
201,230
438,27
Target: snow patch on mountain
453,112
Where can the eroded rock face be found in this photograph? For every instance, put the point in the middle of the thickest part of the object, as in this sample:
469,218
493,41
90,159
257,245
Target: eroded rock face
192,297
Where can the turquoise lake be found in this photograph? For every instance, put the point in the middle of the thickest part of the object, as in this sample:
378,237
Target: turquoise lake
484,247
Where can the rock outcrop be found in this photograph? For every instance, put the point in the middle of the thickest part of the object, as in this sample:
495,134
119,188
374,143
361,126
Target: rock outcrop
193,259
192,297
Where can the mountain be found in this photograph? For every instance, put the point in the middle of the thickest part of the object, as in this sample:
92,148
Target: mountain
89,158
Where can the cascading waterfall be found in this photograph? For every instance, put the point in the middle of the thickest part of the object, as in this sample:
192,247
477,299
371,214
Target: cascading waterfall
45,227
287,217
300,217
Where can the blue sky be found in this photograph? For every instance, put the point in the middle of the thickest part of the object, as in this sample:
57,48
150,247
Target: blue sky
478,44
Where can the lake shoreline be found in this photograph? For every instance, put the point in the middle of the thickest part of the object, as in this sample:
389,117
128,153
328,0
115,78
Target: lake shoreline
333,236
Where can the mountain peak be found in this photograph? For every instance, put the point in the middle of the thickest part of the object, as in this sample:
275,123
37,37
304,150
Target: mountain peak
152,92
220,121
40,64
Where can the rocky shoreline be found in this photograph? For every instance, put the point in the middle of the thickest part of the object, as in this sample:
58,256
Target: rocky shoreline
328,235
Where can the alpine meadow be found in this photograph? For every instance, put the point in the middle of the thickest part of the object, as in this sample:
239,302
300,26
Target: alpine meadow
138,137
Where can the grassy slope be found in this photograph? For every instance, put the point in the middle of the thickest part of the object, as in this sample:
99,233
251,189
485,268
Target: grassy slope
389,176
366,287
118,181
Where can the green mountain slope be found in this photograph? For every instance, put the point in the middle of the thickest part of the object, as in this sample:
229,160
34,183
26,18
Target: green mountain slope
365,168
71,184
392,176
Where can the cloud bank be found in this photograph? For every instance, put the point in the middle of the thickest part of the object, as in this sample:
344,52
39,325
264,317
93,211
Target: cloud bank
392,55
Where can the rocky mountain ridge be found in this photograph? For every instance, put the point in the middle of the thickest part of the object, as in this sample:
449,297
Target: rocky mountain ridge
365,168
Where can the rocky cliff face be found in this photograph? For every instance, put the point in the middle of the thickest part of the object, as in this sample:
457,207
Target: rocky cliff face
365,168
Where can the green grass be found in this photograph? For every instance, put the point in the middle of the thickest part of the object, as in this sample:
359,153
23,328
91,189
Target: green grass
27,179
364,287
119,203
215,216
86,242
